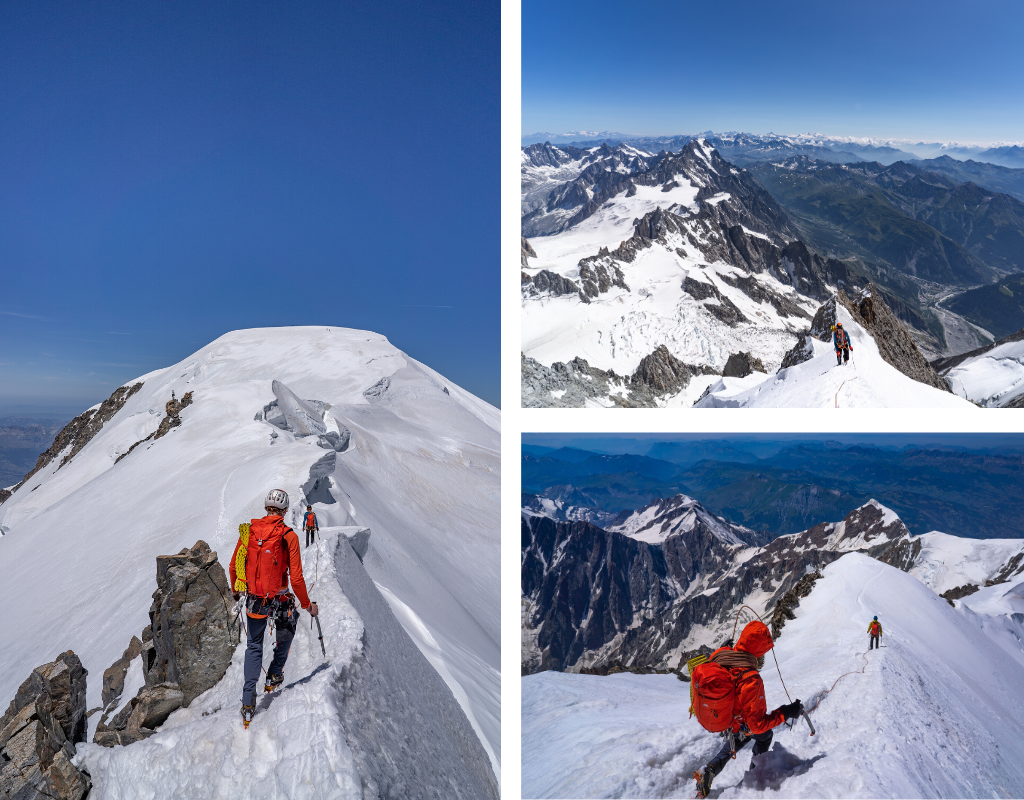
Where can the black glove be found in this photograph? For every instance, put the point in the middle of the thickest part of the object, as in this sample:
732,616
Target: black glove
236,595
792,710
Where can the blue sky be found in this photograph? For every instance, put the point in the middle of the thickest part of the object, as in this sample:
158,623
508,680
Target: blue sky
935,70
174,171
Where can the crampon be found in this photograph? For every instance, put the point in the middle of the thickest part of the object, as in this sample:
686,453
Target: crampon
247,712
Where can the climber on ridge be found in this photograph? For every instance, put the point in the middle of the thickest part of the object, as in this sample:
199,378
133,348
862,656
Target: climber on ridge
750,717
875,631
841,340
310,525
266,554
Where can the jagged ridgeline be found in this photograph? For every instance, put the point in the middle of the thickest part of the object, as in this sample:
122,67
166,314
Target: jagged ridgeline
648,278
647,589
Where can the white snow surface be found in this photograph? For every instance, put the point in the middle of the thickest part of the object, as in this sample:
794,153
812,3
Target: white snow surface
946,561
938,711
993,378
422,471
295,746
867,381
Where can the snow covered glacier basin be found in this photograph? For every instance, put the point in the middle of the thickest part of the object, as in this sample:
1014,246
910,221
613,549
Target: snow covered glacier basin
937,712
422,470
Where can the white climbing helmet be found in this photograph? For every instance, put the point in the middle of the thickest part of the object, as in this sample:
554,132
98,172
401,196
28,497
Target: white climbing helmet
276,498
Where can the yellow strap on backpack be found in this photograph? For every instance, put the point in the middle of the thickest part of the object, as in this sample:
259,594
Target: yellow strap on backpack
243,537
690,665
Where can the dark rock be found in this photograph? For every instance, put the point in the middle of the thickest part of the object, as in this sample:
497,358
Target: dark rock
527,251
547,281
895,345
193,633
740,365
959,591
789,601
154,704
79,432
802,351
113,676
172,411
38,733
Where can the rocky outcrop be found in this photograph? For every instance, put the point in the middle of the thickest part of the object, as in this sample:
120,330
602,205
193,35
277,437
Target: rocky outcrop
802,351
172,411
527,251
193,633
549,282
789,601
78,433
114,675
740,365
573,385
661,373
895,343
598,274
185,650
38,733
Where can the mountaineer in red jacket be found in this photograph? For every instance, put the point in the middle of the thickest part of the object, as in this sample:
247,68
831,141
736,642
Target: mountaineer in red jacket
266,555
743,661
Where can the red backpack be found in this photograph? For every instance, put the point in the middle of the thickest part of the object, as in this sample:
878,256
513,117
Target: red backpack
874,627
714,696
266,560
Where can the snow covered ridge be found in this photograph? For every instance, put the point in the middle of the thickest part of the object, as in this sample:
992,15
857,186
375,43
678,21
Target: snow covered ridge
886,369
421,468
920,717
656,593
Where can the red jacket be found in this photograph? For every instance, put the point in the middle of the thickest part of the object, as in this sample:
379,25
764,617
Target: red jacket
261,530
750,701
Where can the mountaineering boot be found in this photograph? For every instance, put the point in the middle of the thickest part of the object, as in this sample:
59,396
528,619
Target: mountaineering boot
704,781
273,681
247,712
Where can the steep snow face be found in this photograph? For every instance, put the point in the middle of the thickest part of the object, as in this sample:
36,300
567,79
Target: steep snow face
421,469
868,381
993,378
937,712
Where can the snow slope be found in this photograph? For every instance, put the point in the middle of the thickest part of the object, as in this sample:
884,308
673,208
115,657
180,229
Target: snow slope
937,712
992,378
867,381
422,470
946,561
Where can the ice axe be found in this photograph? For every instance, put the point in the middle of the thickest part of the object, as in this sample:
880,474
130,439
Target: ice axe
804,715
319,631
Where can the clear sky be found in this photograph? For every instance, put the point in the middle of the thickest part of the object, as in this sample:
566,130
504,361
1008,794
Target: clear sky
934,71
173,171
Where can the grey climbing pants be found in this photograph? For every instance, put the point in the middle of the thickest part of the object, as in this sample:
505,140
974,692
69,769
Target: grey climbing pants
254,650
762,741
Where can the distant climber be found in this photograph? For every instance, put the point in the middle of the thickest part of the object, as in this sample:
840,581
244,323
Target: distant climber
750,719
266,554
309,524
841,340
875,631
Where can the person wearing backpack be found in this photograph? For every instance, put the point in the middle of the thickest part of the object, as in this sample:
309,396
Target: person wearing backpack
310,525
266,556
729,699
875,632
841,340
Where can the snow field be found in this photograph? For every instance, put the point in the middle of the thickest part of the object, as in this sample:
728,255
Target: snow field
295,746
616,330
937,712
992,378
867,381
